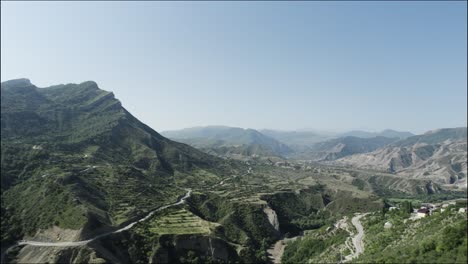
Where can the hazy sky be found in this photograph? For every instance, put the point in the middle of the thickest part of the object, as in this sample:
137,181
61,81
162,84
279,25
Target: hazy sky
327,66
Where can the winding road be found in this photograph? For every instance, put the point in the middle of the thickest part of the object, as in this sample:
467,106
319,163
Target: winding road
84,242
357,239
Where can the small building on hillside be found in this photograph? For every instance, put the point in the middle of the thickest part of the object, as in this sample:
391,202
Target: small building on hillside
392,208
428,205
422,213
387,225
462,210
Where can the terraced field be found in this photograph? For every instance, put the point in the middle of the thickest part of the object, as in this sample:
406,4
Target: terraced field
180,221
127,196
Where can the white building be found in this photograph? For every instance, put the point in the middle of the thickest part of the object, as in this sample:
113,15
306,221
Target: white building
422,213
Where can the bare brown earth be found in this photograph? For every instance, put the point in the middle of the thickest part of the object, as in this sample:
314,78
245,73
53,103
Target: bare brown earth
444,163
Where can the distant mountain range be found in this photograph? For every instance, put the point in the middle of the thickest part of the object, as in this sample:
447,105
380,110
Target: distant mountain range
440,155
389,133
340,147
311,145
226,141
297,139
301,138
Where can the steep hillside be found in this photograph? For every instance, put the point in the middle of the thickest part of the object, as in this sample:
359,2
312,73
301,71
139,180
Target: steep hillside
74,158
340,147
226,141
438,238
440,155
395,236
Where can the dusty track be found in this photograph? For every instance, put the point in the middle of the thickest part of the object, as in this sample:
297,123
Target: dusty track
84,242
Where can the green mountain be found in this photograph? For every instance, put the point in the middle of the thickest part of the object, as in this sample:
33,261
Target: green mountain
74,158
222,140
395,236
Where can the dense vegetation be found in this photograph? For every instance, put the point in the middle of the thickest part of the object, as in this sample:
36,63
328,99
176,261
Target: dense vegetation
439,238
297,212
242,224
310,247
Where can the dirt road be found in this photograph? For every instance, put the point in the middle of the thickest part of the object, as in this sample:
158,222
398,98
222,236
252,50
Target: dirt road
276,252
84,242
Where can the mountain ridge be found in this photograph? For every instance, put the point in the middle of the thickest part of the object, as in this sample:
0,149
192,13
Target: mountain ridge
390,133
73,157
229,140
336,148
439,155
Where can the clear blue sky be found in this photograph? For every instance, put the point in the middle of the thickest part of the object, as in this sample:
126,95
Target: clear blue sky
326,66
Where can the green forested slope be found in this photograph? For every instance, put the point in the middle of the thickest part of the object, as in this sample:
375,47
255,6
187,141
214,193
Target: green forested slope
439,238
73,157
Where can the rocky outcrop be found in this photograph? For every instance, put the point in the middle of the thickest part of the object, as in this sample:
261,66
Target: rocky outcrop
272,218
82,254
178,246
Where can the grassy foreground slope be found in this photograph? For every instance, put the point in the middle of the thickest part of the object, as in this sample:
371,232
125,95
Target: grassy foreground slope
390,237
439,238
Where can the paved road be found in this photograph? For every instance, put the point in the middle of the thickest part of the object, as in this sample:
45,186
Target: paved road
357,239
84,242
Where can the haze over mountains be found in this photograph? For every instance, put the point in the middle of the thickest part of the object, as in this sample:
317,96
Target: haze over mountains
439,155
309,145
229,140
336,148
389,133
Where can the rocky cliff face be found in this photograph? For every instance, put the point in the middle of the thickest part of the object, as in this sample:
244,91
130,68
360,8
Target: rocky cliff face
272,218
